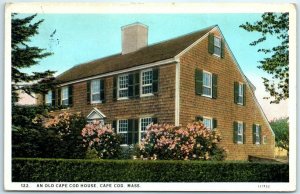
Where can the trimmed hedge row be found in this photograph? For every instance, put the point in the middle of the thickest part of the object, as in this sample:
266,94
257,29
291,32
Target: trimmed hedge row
76,170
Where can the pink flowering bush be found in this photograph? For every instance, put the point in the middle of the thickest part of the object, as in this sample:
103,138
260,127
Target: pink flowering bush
193,142
102,139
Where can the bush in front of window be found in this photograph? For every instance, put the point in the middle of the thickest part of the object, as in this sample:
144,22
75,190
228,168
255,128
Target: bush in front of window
169,142
102,139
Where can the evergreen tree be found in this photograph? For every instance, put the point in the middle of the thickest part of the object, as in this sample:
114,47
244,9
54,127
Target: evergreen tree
277,62
23,56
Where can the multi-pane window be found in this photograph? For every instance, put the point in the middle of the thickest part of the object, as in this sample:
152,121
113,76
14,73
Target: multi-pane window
123,130
144,123
65,95
123,86
207,123
95,91
240,93
217,46
48,98
257,134
147,79
207,84
240,129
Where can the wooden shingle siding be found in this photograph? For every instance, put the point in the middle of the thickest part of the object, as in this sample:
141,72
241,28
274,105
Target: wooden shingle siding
223,108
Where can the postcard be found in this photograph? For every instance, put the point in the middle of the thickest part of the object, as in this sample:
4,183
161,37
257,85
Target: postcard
150,97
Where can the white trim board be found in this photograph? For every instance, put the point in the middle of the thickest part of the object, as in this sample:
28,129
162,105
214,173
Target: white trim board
149,65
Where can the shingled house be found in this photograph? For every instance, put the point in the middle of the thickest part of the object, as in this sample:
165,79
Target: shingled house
194,76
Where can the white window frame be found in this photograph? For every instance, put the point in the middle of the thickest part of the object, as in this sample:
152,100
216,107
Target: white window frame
264,139
257,135
211,122
118,87
220,47
241,95
140,126
144,85
239,123
91,95
65,88
48,98
210,96
122,132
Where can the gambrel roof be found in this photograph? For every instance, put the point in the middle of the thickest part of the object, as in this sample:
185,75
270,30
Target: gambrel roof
150,54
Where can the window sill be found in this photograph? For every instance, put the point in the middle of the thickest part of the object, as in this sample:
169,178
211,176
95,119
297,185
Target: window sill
241,104
146,95
207,96
96,102
219,56
123,98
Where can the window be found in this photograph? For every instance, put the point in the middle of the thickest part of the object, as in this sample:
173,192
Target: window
48,98
144,122
240,133
123,86
147,79
241,94
217,46
123,130
257,134
65,96
207,123
95,91
207,84
265,140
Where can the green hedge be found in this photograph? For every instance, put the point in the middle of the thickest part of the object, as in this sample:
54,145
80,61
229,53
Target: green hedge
76,170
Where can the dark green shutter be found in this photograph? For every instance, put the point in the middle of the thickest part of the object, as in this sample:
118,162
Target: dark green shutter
236,92
222,48
137,84
88,92
115,88
59,96
254,133
198,118
198,81
102,90
244,94
260,135
155,76
211,43
244,133
114,126
70,95
214,86
53,98
154,120
131,85
135,138
215,123
133,129
235,132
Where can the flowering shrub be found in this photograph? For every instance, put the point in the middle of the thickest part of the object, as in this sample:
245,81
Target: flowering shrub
102,139
194,142
62,137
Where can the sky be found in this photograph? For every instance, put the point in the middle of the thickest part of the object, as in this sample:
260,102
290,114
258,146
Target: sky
80,38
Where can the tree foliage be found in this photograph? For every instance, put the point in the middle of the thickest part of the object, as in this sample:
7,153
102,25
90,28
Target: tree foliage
277,61
23,55
281,130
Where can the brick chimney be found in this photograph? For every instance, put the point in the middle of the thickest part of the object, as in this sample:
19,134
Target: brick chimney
134,37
